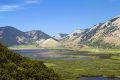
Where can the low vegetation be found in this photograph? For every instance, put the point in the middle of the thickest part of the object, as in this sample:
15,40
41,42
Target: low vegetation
24,47
73,70
16,67
101,44
97,62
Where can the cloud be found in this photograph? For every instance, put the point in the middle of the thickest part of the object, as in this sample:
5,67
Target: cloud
32,1
4,8
17,6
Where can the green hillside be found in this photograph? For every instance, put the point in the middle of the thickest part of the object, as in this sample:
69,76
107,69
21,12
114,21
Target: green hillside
16,67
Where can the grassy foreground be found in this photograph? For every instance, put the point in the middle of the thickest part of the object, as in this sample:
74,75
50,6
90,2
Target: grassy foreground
72,70
107,66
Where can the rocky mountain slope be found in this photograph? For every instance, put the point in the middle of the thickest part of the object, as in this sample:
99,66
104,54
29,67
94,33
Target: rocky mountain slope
12,36
31,37
50,43
60,36
102,35
8,35
72,40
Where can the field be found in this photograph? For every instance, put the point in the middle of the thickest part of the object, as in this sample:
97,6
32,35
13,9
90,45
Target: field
73,70
72,65
101,65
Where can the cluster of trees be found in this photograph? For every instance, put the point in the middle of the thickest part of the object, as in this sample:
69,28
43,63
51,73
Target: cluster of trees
16,67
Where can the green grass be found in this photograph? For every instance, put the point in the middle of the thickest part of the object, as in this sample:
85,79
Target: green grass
49,64
115,57
72,70
100,51
24,47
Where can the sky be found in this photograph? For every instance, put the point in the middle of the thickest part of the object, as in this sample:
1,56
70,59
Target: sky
56,16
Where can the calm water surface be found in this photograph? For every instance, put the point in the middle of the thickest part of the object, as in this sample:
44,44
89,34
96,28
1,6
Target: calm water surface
53,54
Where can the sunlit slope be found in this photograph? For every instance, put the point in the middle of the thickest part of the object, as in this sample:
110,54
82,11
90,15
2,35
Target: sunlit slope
16,67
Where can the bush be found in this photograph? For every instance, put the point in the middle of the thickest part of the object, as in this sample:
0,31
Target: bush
16,67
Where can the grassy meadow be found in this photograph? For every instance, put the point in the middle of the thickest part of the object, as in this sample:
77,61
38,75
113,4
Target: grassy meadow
73,70
106,63
93,62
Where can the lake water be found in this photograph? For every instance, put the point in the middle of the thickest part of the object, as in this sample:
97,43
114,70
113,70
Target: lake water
53,54
60,54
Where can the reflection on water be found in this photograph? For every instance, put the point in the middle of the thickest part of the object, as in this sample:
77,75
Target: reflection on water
62,54
53,54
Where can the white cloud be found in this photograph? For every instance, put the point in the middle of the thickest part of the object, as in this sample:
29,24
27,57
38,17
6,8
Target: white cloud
4,8
32,1
13,7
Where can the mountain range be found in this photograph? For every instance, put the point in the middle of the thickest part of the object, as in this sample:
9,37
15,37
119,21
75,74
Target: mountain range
11,36
102,35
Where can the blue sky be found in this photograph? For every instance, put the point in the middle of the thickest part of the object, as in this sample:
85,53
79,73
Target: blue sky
56,16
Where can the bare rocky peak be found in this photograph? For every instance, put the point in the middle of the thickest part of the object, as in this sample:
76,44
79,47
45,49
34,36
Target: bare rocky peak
60,36
77,31
50,43
96,26
37,34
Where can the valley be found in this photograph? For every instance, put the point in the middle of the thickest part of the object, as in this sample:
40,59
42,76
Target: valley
89,54
59,39
78,65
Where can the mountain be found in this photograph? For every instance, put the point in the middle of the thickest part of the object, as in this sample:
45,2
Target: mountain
71,40
102,35
60,36
106,34
11,36
31,37
50,43
8,35
16,67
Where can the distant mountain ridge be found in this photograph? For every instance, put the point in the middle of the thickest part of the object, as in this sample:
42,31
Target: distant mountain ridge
102,35
12,36
60,36
8,35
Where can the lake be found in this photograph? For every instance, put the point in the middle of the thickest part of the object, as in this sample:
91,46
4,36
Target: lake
43,54
61,54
